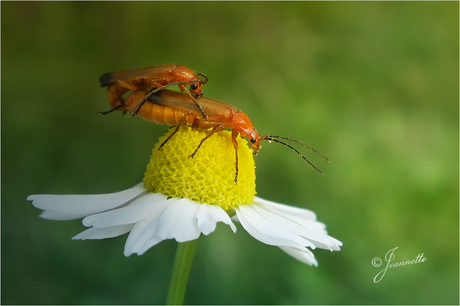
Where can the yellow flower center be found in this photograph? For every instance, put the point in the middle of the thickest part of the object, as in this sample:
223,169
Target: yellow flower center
208,177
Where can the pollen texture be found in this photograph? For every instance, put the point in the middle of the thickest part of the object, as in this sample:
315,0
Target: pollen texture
208,177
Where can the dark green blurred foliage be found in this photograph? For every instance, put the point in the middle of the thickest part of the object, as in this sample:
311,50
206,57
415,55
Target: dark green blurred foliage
372,85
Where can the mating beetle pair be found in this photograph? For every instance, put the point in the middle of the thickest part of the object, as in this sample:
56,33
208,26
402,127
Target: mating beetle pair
151,101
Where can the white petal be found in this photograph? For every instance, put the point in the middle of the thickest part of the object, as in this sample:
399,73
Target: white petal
209,215
266,231
305,256
312,229
138,210
332,245
301,213
143,235
149,240
84,204
306,230
48,215
103,233
179,222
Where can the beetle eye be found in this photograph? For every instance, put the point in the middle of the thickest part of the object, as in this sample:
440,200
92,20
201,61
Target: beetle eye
194,86
253,140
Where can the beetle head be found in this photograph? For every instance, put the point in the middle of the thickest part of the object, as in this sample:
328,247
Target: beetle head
195,87
184,74
243,125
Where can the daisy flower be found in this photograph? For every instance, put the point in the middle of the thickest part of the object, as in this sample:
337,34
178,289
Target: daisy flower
181,198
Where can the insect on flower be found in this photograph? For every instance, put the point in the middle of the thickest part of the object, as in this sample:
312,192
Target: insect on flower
183,203
151,79
174,108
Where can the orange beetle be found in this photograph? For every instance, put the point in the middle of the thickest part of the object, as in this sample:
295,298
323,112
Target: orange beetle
150,80
174,108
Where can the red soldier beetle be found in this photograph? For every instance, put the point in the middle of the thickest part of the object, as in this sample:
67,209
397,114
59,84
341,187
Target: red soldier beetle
174,108
151,79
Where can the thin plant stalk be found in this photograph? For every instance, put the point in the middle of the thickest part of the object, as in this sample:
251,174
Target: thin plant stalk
181,271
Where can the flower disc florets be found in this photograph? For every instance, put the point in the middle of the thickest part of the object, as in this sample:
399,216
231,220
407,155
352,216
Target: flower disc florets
208,177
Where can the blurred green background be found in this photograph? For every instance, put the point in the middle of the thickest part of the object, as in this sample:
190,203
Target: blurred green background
372,85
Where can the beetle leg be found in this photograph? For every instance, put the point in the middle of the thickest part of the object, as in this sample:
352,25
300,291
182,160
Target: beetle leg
137,108
206,79
181,123
121,88
183,88
235,145
215,129
150,92
115,92
109,111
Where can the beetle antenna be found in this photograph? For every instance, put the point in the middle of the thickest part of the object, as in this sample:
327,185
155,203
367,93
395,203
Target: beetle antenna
273,138
206,79
296,141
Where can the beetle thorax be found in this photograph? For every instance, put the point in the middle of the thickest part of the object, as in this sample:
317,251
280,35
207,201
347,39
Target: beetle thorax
185,74
243,125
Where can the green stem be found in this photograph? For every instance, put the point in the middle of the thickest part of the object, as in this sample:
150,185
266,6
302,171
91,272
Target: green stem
181,271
